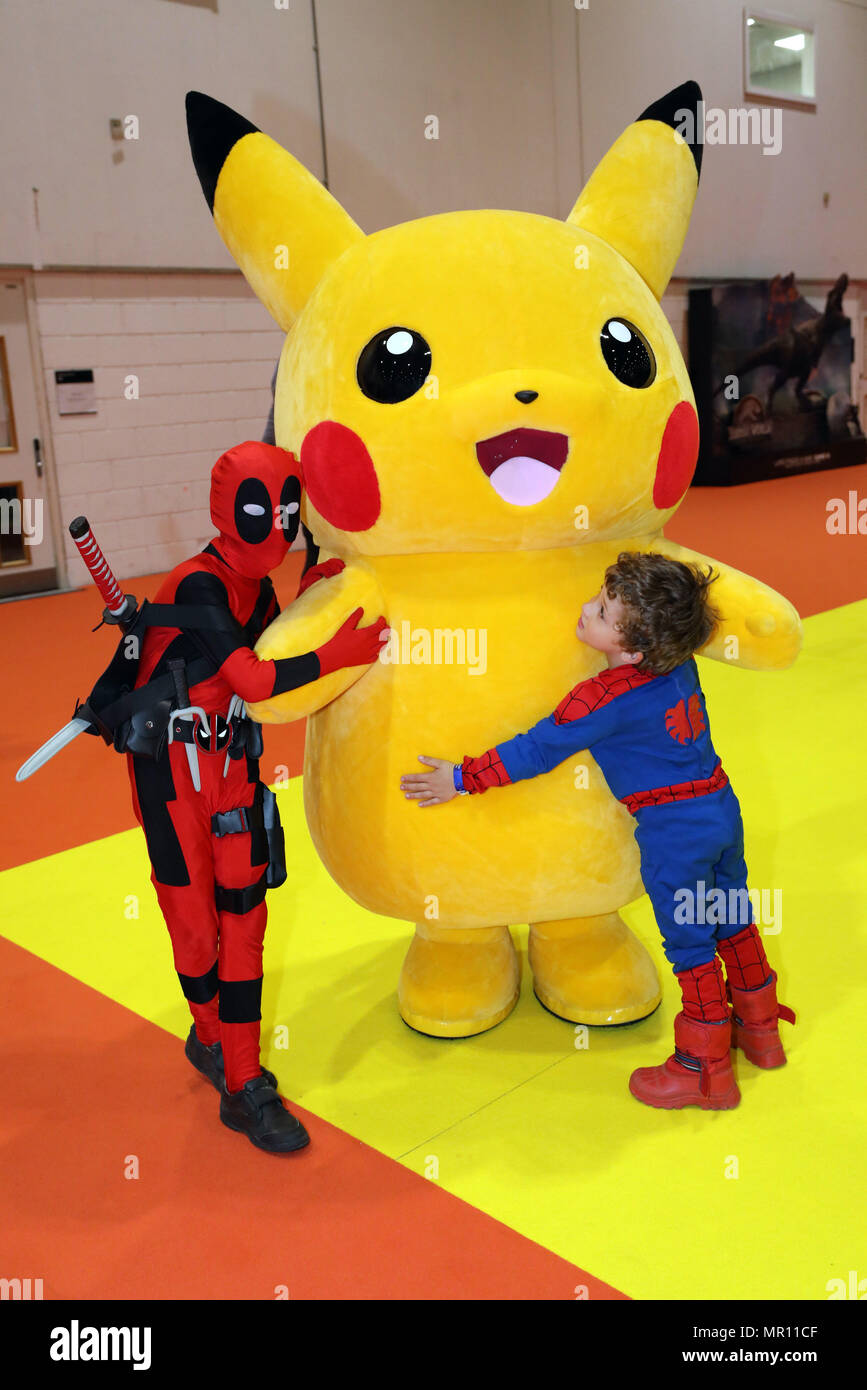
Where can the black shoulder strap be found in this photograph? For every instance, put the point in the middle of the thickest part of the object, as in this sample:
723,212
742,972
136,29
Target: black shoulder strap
187,615
255,622
114,698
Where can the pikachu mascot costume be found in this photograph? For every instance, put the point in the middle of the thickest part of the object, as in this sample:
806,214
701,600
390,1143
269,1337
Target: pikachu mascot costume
476,447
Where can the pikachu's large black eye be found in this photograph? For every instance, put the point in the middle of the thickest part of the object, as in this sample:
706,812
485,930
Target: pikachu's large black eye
627,353
394,365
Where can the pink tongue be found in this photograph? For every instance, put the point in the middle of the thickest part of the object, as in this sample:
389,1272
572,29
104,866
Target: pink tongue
523,481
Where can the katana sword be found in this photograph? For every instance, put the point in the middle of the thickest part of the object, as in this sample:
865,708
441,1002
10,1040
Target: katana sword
120,608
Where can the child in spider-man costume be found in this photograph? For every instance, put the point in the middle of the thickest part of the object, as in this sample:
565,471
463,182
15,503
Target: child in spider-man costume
644,718
210,849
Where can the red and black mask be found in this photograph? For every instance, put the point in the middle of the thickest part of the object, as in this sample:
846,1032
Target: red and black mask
255,506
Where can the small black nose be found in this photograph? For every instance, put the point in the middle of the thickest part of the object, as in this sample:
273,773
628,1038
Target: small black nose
526,396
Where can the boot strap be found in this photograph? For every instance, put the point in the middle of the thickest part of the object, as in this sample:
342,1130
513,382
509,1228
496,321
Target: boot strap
260,1100
783,1010
695,1064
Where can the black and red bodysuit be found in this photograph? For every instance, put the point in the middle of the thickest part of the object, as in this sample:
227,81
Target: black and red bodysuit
209,849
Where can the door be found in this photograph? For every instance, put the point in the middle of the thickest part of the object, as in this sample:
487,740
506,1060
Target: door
27,555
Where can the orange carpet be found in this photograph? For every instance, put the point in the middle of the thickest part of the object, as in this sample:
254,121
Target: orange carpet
777,532
90,1092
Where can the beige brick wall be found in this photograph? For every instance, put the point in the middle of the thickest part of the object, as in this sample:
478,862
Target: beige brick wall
203,349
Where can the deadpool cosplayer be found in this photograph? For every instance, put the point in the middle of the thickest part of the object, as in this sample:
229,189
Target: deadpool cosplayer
212,827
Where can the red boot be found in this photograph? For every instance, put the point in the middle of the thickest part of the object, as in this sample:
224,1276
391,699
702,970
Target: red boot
699,1073
755,1014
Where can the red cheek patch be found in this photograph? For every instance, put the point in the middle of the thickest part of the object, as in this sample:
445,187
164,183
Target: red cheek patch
678,455
339,477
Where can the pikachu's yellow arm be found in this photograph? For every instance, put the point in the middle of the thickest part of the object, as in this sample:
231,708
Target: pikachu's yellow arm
760,629
304,626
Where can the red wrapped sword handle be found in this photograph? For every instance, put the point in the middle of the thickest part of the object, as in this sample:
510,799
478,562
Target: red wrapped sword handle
119,606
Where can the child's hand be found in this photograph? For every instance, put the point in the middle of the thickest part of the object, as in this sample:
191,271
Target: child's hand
430,788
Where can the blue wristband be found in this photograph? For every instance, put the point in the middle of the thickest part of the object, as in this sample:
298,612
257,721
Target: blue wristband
459,780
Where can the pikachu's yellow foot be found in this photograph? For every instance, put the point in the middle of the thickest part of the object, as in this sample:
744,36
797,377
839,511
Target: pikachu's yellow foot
592,970
456,982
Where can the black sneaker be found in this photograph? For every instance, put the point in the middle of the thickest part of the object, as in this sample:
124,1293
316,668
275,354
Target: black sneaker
209,1061
257,1111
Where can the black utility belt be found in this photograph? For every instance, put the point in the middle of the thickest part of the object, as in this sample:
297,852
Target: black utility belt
147,722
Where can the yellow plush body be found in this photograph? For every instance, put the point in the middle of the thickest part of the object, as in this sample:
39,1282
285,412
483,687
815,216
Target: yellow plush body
507,302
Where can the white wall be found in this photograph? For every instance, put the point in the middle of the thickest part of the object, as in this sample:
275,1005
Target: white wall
501,75
203,349
484,68
756,214
67,66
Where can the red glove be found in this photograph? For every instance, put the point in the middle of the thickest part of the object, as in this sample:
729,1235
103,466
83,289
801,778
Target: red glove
351,645
326,570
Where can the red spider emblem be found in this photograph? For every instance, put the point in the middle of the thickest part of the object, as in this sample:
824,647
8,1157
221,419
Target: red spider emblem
696,716
685,723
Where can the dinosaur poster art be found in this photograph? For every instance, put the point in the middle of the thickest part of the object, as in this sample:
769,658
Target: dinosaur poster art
772,380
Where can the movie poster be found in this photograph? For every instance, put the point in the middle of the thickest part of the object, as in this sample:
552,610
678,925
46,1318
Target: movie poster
772,381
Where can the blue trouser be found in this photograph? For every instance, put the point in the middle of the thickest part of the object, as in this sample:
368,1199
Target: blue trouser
688,849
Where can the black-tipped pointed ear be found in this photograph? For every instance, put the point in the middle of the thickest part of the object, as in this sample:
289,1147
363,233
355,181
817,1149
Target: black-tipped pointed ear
213,129
639,197
282,227
671,109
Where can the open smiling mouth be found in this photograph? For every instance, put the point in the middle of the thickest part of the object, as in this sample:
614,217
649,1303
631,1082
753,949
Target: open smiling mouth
523,465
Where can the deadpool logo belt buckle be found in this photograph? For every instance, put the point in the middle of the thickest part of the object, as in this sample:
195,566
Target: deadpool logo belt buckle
221,735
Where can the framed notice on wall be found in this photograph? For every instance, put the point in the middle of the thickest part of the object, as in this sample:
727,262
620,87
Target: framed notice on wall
75,392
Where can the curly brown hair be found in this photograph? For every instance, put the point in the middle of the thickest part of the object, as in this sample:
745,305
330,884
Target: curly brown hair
667,615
